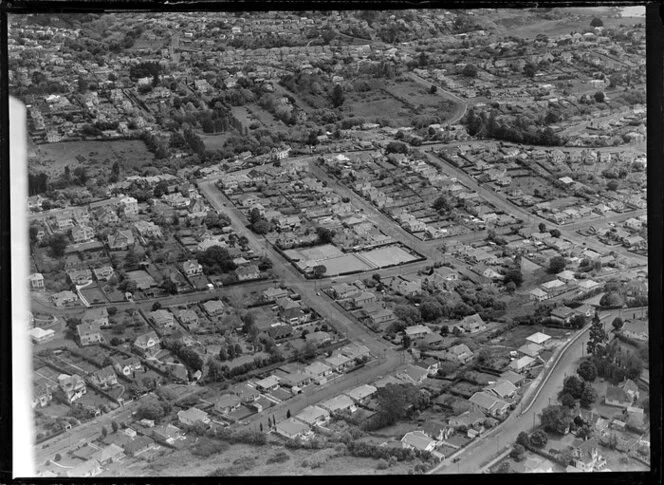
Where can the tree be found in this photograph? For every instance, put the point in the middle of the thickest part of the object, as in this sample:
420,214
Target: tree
288,413
573,385
529,69
597,335
433,89
57,244
431,310
611,299
114,425
588,396
319,270
556,419
510,287
324,234
337,96
408,314
612,185
104,432
539,439
556,264
405,341
518,452
156,306
81,175
617,324
542,227
523,439
599,96
263,226
514,275
131,260
587,370
596,22
555,232
568,400
470,70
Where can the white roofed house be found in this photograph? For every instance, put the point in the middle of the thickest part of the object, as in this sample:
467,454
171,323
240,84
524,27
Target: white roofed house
458,353
73,387
417,331
362,394
89,334
314,416
36,281
270,383
488,404
502,389
522,363
193,415
539,338
538,294
339,363
147,344
192,267
339,403
417,440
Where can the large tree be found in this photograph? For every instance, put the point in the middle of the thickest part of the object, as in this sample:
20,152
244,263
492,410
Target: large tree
598,336
57,243
587,370
556,264
556,418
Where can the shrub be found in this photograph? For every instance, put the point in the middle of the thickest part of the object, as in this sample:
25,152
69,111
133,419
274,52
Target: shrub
280,457
382,465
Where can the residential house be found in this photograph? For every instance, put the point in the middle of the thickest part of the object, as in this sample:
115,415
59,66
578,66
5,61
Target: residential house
344,290
339,363
293,429
538,295
192,267
213,307
36,281
522,363
318,369
417,331
458,353
79,277
488,404
417,440
188,318
148,230
472,323
87,469
41,395
147,344
137,446
97,316
163,319
539,338
270,383
121,240
82,234
530,349
128,366
381,316
413,374
318,338
362,394
280,331
168,434
273,294
109,454
436,430
339,403
104,377
64,298
364,298
40,336
469,419
503,389
193,415
313,416
630,387
72,386
89,334
587,457
616,396
249,272
246,393
562,314
103,273
226,403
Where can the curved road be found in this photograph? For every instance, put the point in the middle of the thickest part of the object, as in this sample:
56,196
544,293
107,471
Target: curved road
478,453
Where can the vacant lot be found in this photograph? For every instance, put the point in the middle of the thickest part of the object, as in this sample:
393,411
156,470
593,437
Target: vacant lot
387,256
53,157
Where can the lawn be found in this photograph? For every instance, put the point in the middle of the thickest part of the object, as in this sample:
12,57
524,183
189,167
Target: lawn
93,294
387,256
53,157
214,142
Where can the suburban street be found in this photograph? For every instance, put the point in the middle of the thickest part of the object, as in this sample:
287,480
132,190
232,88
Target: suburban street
477,454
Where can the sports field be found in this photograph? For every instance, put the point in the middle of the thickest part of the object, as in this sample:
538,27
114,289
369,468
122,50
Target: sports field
387,256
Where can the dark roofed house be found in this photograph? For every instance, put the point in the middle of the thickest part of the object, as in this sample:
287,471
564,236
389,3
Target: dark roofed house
279,332
249,272
472,323
617,397
213,307
147,344
89,334
226,403
414,374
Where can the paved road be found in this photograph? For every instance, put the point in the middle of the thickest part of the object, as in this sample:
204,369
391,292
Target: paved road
473,457
291,277
315,394
83,433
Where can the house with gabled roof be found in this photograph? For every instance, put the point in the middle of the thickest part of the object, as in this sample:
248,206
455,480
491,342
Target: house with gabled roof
417,440
339,403
120,240
472,323
468,419
188,318
98,316
362,394
192,267
313,416
522,363
292,428
147,344
72,386
226,403
630,387
104,272
193,415
617,397
89,334
488,404
502,389
104,377
413,374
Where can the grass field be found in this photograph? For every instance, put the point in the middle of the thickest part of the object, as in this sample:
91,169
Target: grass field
53,157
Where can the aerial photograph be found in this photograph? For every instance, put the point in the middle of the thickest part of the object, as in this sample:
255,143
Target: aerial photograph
335,242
